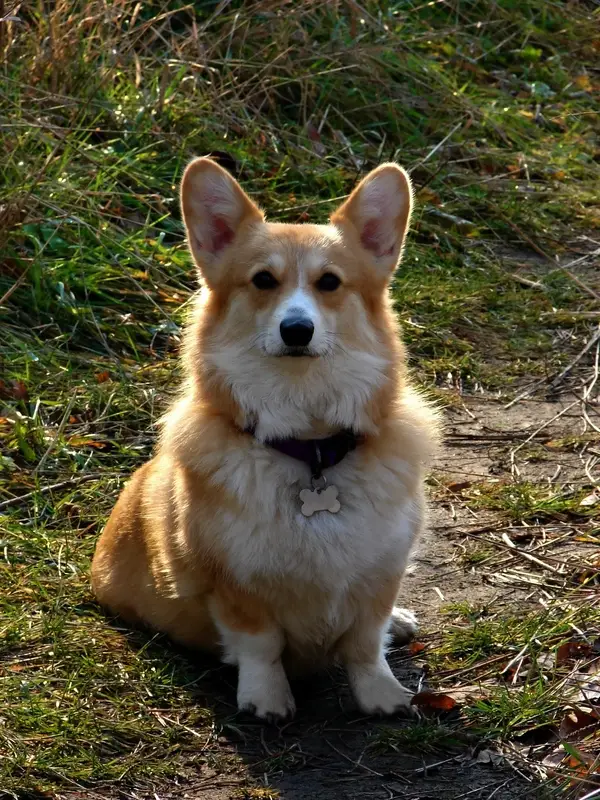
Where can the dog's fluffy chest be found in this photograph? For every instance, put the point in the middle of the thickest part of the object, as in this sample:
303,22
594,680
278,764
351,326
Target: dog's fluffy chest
272,539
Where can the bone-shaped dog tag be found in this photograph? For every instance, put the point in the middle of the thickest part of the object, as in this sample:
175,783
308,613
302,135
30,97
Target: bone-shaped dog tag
317,499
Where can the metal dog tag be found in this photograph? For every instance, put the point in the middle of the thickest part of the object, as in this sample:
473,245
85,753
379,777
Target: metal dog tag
319,498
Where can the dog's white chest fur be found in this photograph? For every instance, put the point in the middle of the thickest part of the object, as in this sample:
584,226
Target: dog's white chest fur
274,539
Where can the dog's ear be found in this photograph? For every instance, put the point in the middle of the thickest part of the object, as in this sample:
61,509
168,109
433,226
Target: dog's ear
378,211
215,209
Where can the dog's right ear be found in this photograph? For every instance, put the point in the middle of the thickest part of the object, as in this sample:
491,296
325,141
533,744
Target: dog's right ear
215,208
379,212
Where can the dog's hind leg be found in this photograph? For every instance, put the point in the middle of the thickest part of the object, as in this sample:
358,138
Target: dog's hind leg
403,625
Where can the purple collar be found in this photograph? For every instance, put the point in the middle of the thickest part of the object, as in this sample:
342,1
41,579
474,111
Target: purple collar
319,454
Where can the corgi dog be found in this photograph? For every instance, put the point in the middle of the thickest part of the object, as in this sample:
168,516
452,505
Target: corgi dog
274,523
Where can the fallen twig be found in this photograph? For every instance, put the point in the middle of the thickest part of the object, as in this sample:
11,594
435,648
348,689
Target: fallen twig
523,554
571,315
528,239
530,390
590,343
354,763
13,501
581,284
541,428
525,281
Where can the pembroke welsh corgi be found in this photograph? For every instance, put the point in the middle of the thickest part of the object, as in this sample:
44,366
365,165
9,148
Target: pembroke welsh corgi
274,523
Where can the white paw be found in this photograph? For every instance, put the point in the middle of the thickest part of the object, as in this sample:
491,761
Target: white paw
403,625
377,691
266,693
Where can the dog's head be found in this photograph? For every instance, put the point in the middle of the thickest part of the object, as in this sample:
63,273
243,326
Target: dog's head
298,311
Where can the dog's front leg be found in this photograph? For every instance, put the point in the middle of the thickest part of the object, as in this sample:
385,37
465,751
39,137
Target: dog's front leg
254,643
362,651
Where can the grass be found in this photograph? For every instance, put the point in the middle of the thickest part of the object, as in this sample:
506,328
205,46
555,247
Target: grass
527,502
493,106
520,676
425,736
477,636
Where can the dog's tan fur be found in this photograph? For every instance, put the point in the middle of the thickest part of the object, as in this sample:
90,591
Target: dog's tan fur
206,542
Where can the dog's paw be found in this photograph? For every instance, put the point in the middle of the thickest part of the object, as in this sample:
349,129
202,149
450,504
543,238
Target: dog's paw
403,625
268,697
377,691
273,709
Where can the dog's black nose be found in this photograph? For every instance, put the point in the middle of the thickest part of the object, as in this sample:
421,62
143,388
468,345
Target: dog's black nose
296,331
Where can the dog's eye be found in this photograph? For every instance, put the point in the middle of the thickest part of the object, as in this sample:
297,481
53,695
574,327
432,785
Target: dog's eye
328,282
264,280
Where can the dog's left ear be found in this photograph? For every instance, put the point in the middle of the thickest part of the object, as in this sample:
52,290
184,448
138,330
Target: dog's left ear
378,211
215,210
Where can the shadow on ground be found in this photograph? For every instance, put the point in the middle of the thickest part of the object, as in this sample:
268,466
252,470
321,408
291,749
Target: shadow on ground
329,751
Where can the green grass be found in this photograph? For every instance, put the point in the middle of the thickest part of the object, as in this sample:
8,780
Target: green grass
527,502
478,638
424,736
507,664
493,106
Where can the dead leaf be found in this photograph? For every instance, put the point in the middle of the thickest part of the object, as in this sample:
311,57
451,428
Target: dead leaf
571,651
579,723
541,734
315,139
565,760
583,82
426,195
468,694
81,441
554,759
589,574
313,132
19,390
546,661
490,757
508,673
591,499
459,486
433,701
586,685
102,377
15,390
